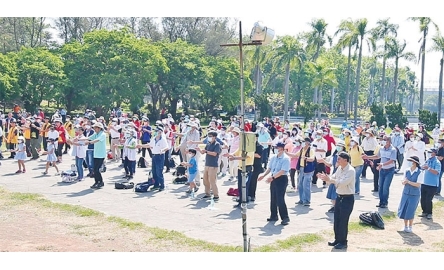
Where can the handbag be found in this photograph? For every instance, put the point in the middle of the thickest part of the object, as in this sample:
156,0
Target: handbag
233,192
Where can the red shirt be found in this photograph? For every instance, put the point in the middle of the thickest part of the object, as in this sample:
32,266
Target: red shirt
42,115
62,133
247,127
330,141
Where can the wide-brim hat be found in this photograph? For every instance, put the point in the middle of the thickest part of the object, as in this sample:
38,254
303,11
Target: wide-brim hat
58,120
260,125
356,139
340,143
236,129
345,130
414,159
98,124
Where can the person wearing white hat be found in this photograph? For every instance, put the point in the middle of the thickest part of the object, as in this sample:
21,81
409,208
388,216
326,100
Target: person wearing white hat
99,154
159,146
20,154
320,146
265,140
356,161
234,146
187,140
114,131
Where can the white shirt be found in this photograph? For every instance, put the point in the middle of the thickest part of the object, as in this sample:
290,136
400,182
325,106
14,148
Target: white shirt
114,133
158,145
320,144
81,149
128,152
53,134
369,143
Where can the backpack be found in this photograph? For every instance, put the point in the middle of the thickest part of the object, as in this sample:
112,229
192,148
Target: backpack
141,163
69,176
180,180
372,219
144,186
124,185
180,170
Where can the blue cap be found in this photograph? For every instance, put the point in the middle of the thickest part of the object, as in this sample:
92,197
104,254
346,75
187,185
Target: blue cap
279,144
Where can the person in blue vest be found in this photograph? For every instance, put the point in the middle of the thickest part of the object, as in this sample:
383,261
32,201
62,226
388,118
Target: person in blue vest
432,169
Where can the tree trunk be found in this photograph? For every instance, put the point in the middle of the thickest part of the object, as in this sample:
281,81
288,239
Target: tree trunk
287,82
382,97
395,80
320,101
421,89
441,62
332,100
372,91
173,107
358,81
347,92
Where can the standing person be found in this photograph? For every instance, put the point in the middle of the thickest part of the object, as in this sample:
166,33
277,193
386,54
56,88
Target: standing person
88,131
368,144
213,150
114,132
356,161
306,168
410,194
192,170
145,136
129,155
20,154
12,137
69,127
398,142
35,139
234,146
61,140
386,169
63,114
223,158
344,180
294,163
44,133
431,181
159,146
51,157
265,140
320,147
99,152
278,166
80,151
257,170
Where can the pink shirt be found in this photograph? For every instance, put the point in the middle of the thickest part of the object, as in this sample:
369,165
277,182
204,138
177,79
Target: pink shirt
294,161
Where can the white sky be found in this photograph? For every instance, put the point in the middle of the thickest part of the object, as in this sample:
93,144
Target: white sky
285,17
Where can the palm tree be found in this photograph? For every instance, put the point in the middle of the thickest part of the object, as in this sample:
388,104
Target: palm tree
438,46
373,71
424,23
255,58
361,27
348,39
396,50
289,54
317,38
323,75
383,31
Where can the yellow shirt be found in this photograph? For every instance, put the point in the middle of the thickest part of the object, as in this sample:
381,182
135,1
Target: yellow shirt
355,156
13,135
68,127
27,133
301,153
248,161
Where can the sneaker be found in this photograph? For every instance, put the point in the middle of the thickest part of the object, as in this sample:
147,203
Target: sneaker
324,186
331,210
429,216
230,179
206,196
155,188
223,175
216,199
57,173
19,171
307,204
406,229
23,171
299,202
422,215
188,191
196,189
44,173
409,229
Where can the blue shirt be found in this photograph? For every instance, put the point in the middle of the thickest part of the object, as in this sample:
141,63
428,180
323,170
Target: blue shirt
87,134
278,164
193,168
146,136
386,155
100,146
398,142
264,137
431,179
205,141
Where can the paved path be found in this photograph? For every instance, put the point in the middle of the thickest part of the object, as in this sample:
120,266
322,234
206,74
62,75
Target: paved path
172,210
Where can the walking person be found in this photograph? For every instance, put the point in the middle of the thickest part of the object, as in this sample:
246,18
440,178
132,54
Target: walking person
99,152
440,157
410,194
432,169
306,168
20,154
51,158
257,170
79,148
344,180
279,166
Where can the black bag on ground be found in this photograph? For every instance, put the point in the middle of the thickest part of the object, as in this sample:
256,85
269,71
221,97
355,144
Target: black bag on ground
180,170
180,180
124,185
372,219
144,186
141,163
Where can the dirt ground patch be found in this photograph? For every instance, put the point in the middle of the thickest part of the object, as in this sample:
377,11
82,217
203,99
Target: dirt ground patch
30,226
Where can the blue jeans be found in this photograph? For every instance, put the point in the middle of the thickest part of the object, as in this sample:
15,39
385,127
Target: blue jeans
129,166
304,186
157,165
90,160
439,183
79,165
264,157
358,171
385,179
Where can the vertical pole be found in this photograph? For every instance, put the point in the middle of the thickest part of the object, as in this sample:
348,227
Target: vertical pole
244,153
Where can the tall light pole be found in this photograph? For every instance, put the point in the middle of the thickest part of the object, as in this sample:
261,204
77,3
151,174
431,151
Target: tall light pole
259,36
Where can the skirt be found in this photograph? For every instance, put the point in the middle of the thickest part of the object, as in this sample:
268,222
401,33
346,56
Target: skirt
407,206
51,158
331,192
20,156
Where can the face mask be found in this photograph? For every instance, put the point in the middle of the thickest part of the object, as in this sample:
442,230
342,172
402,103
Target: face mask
352,144
318,137
347,134
88,127
297,143
418,139
285,136
412,139
367,135
384,142
307,143
325,133
306,134
155,133
210,139
339,148
189,156
222,132
279,134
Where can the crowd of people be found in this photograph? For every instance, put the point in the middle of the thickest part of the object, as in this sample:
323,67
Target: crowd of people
289,157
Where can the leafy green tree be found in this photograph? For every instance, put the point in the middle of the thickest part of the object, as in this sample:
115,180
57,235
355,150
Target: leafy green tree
395,115
378,114
307,111
428,118
8,78
438,46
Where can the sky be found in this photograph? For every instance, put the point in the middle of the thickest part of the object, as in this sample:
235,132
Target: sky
284,17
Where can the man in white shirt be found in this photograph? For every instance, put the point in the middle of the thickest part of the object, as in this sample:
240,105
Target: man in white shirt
369,144
320,147
113,130
225,138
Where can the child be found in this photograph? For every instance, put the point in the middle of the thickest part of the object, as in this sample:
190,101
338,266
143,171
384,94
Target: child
20,155
192,170
51,158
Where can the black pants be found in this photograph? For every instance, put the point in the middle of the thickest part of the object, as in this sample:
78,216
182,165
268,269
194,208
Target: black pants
28,147
427,194
98,162
375,174
166,162
292,175
366,165
320,168
343,209
67,147
12,146
59,149
277,197
149,150
45,143
253,182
